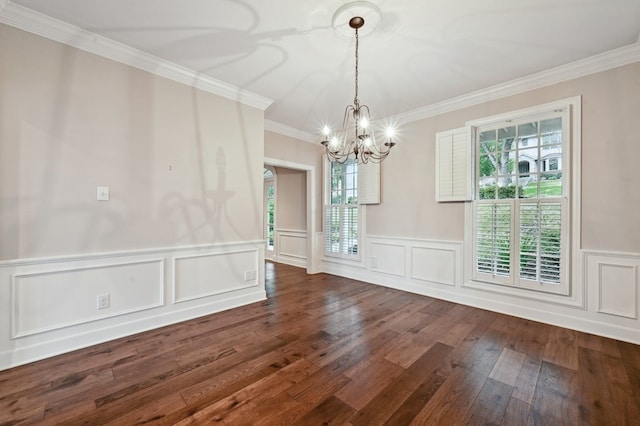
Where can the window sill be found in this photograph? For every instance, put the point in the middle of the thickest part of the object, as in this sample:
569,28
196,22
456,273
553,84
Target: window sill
526,293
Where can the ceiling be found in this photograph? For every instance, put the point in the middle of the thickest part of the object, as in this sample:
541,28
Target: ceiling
422,51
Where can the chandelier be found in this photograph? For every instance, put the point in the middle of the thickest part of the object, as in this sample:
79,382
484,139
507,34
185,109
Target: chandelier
356,140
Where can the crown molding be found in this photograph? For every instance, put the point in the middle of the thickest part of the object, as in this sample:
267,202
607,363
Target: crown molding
34,22
283,129
584,67
594,64
37,23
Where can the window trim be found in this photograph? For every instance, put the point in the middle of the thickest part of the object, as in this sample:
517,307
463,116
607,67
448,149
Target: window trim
574,292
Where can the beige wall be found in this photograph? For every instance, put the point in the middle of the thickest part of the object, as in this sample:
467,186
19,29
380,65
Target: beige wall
184,166
291,199
610,155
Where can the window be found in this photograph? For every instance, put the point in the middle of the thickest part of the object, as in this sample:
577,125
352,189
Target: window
269,208
342,212
520,225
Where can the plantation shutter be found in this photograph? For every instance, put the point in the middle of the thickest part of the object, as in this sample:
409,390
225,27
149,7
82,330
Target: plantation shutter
331,231
493,236
369,183
453,165
540,241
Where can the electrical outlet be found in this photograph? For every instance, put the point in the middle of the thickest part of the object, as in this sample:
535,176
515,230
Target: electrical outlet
250,275
374,263
103,301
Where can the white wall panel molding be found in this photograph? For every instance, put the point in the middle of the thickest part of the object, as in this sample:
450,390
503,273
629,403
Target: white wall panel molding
434,265
37,23
50,305
613,281
79,259
291,247
58,298
388,258
203,275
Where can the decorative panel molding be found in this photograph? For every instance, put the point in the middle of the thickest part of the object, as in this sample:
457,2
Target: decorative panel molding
204,275
618,290
388,258
53,299
436,265
613,281
291,247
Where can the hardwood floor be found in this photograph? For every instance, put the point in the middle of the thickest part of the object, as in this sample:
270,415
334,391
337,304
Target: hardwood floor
329,350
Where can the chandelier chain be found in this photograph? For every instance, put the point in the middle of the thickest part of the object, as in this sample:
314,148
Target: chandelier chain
355,100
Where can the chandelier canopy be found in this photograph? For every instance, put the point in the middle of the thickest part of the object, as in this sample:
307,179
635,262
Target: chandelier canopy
356,140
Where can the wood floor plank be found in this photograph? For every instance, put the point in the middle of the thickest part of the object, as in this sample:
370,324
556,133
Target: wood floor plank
330,412
596,403
450,404
491,403
562,348
630,356
418,399
507,368
331,350
483,320
557,397
517,412
620,388
366,377
530,338
241,403
482,357
525,384
389,399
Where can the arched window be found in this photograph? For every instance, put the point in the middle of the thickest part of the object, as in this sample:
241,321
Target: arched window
269,207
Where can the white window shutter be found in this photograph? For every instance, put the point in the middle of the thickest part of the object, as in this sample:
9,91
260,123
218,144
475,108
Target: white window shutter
369,183
453,165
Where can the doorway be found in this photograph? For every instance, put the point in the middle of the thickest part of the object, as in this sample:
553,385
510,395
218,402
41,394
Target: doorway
296,246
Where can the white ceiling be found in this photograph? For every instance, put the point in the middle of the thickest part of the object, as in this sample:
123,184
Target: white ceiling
423,51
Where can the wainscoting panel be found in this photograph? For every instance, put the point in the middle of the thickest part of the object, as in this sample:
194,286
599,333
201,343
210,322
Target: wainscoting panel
53,299
613,280
205,275
434,264
291,247
388,258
